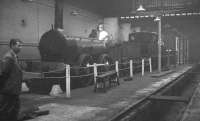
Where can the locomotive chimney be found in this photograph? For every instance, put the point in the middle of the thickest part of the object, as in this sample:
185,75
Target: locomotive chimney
58,14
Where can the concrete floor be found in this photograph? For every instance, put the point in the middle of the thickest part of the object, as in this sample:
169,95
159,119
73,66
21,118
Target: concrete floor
86,105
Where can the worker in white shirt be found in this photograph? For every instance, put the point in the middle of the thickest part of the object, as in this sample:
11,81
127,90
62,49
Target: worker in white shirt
102,34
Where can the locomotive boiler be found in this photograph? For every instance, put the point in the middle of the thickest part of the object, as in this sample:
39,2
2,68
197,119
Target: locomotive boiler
54,46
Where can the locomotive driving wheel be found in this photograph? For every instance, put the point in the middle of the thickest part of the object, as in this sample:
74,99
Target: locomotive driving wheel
85,59
105,58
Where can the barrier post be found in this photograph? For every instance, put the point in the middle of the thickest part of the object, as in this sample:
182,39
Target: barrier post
150,65
142,67
177,51
68,81
95,73
117,67
131,68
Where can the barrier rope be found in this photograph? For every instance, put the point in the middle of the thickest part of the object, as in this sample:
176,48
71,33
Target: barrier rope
62,69
62,77
84,75
53,71
138,62
54,77
124,69
103,72
48,77
81,67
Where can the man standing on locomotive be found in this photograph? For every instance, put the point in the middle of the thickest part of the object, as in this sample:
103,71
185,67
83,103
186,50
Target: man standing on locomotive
102,34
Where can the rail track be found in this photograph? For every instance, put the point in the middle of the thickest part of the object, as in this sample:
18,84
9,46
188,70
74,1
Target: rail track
159,104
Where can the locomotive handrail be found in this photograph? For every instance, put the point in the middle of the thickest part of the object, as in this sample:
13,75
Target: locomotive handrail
80,38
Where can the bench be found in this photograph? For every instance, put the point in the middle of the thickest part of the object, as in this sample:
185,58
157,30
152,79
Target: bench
110,76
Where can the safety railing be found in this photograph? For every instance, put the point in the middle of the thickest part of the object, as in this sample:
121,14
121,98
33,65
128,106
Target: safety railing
143,64
67,76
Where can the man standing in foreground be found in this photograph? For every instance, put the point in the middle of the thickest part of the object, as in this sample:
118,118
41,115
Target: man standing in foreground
10,83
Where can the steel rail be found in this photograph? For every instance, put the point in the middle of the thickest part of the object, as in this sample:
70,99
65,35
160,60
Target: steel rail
130,109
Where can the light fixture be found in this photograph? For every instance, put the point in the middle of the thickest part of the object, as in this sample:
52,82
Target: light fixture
27,0
75,13
141,8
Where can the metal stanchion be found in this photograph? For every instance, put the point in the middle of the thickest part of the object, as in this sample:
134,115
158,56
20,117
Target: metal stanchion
68,95
150,65
142,67
95,73
117,67
131,68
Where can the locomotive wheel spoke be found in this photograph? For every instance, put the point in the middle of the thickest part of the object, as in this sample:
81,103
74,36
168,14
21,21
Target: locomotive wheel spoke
83,61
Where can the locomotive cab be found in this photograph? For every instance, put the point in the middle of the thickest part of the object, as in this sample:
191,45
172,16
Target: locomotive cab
146,41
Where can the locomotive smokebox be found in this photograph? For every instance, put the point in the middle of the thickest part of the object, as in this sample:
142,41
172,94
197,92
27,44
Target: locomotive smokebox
53,46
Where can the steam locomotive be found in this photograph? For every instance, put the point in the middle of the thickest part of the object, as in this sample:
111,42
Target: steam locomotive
78,52
54,46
